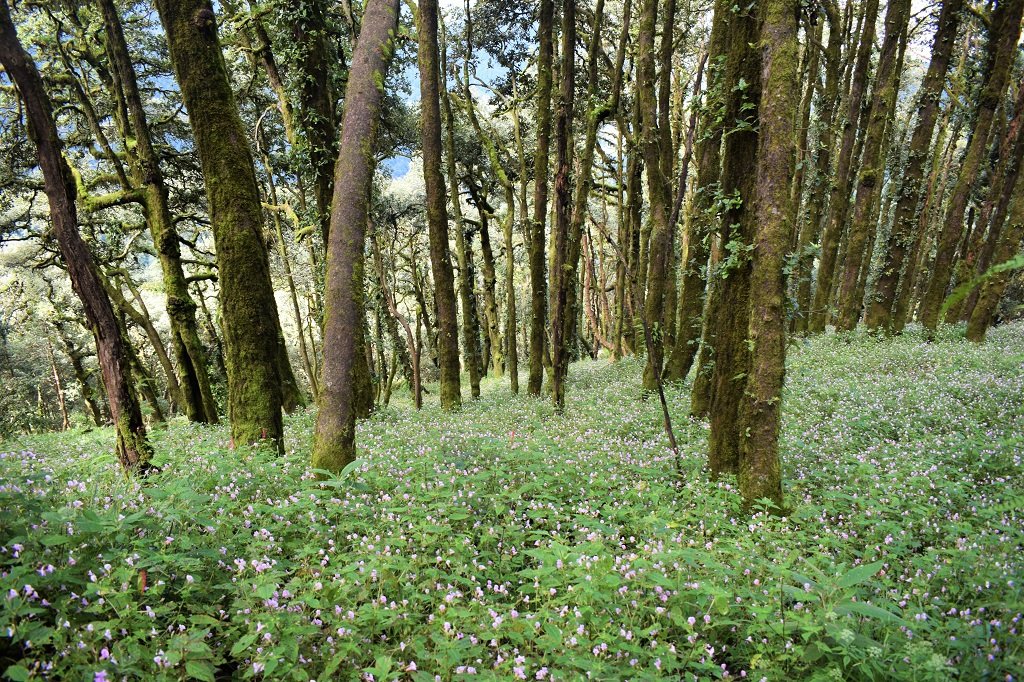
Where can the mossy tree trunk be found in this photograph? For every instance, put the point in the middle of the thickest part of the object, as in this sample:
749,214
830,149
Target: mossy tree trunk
839,198
192,377
437,213
879,309
658,193
133,449
760,412
562,270
730,312
536,227
872,171
334,438
252,333
1004,33
463,245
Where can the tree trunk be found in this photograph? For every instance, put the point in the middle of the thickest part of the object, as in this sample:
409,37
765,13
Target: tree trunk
133,449
536,238
562,270
839,201
760,413
739,224
1003,36
872,172
196,395
879,313
249,311
334,444
437,212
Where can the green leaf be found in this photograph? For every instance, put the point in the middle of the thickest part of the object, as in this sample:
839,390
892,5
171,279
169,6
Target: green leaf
200,670
18,673
867,610
53,540
859,574
242,644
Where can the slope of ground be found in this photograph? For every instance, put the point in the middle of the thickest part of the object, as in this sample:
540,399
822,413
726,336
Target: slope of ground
505,542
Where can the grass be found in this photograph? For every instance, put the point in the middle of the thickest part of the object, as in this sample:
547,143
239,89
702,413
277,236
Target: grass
505,542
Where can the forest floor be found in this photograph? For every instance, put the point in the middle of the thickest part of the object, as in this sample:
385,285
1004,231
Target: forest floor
509,543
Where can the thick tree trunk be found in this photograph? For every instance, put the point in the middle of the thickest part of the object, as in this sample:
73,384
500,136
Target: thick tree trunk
839,201
196,396
133,449
658,193
760,413
739,224
536,238
1003,36
872,172
334,439
249,312
437,212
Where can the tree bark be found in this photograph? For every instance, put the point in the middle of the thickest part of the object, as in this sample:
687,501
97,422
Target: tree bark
536,236
334,444
437,212
251,329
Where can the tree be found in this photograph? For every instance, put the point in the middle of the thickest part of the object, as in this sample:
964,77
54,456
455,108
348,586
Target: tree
872,171
1003,36
133,449
437,214
252,335
334,438
879,308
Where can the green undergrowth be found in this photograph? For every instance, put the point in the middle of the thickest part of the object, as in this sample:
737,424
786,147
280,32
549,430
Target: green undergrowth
505,542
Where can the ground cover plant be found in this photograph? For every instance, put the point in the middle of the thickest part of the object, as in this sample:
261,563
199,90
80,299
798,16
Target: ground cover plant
505,542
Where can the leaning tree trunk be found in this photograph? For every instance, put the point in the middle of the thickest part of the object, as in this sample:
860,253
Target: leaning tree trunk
133,450
334,444
193,379
1003,35
437,212
249,311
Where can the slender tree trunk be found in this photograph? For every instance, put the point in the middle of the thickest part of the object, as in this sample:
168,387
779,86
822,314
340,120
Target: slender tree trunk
872,172
251,328
463,246
58,386
562,271
437,213
879,313
839,201
1003,36
133,449
536,238
334,444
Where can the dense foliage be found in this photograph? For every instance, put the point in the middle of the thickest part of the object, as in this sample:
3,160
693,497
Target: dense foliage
507,543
